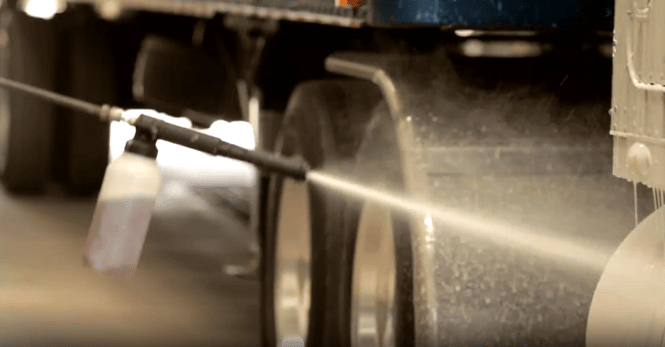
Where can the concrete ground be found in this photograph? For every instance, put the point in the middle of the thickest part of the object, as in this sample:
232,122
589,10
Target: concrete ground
180,296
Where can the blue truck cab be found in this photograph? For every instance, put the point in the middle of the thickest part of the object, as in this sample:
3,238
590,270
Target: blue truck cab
494,14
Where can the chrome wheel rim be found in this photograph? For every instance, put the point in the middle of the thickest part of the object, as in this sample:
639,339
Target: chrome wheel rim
293,261
373,284
5,107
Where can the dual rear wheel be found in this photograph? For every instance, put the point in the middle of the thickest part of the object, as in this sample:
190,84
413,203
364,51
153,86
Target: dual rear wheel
330,260
39,141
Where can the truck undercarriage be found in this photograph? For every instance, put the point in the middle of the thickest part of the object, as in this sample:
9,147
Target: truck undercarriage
499,115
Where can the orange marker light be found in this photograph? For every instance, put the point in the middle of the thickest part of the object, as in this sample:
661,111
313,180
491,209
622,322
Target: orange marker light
347,3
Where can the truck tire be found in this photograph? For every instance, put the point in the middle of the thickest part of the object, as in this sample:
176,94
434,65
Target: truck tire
309,240
28,55
93,78
377,304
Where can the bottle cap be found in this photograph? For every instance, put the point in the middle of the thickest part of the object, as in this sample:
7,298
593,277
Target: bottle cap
144,147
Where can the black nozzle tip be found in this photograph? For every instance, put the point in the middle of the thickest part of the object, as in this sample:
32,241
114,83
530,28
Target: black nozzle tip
302,170
295,168
142,146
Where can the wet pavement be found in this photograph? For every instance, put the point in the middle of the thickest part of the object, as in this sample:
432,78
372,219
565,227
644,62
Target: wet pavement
180,296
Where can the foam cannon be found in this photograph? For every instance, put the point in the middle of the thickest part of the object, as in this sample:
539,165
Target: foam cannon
131,182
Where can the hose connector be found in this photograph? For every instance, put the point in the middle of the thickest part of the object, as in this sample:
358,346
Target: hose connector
111,114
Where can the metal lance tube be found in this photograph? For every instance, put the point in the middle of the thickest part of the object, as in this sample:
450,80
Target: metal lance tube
103,112
55,98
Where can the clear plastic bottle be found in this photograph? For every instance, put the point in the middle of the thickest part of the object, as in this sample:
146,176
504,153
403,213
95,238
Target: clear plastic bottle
124,207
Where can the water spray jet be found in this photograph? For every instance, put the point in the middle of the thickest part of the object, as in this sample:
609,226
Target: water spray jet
500,232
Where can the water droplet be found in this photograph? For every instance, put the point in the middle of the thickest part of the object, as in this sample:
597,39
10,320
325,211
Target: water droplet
488,300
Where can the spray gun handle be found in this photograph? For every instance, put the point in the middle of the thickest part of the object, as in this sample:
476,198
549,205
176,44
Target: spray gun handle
209,144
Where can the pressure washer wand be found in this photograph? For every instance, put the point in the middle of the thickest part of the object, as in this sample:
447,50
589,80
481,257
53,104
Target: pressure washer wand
161,130
132,182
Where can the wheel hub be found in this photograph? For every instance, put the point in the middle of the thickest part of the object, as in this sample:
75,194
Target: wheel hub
373,286
4,101
293,259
